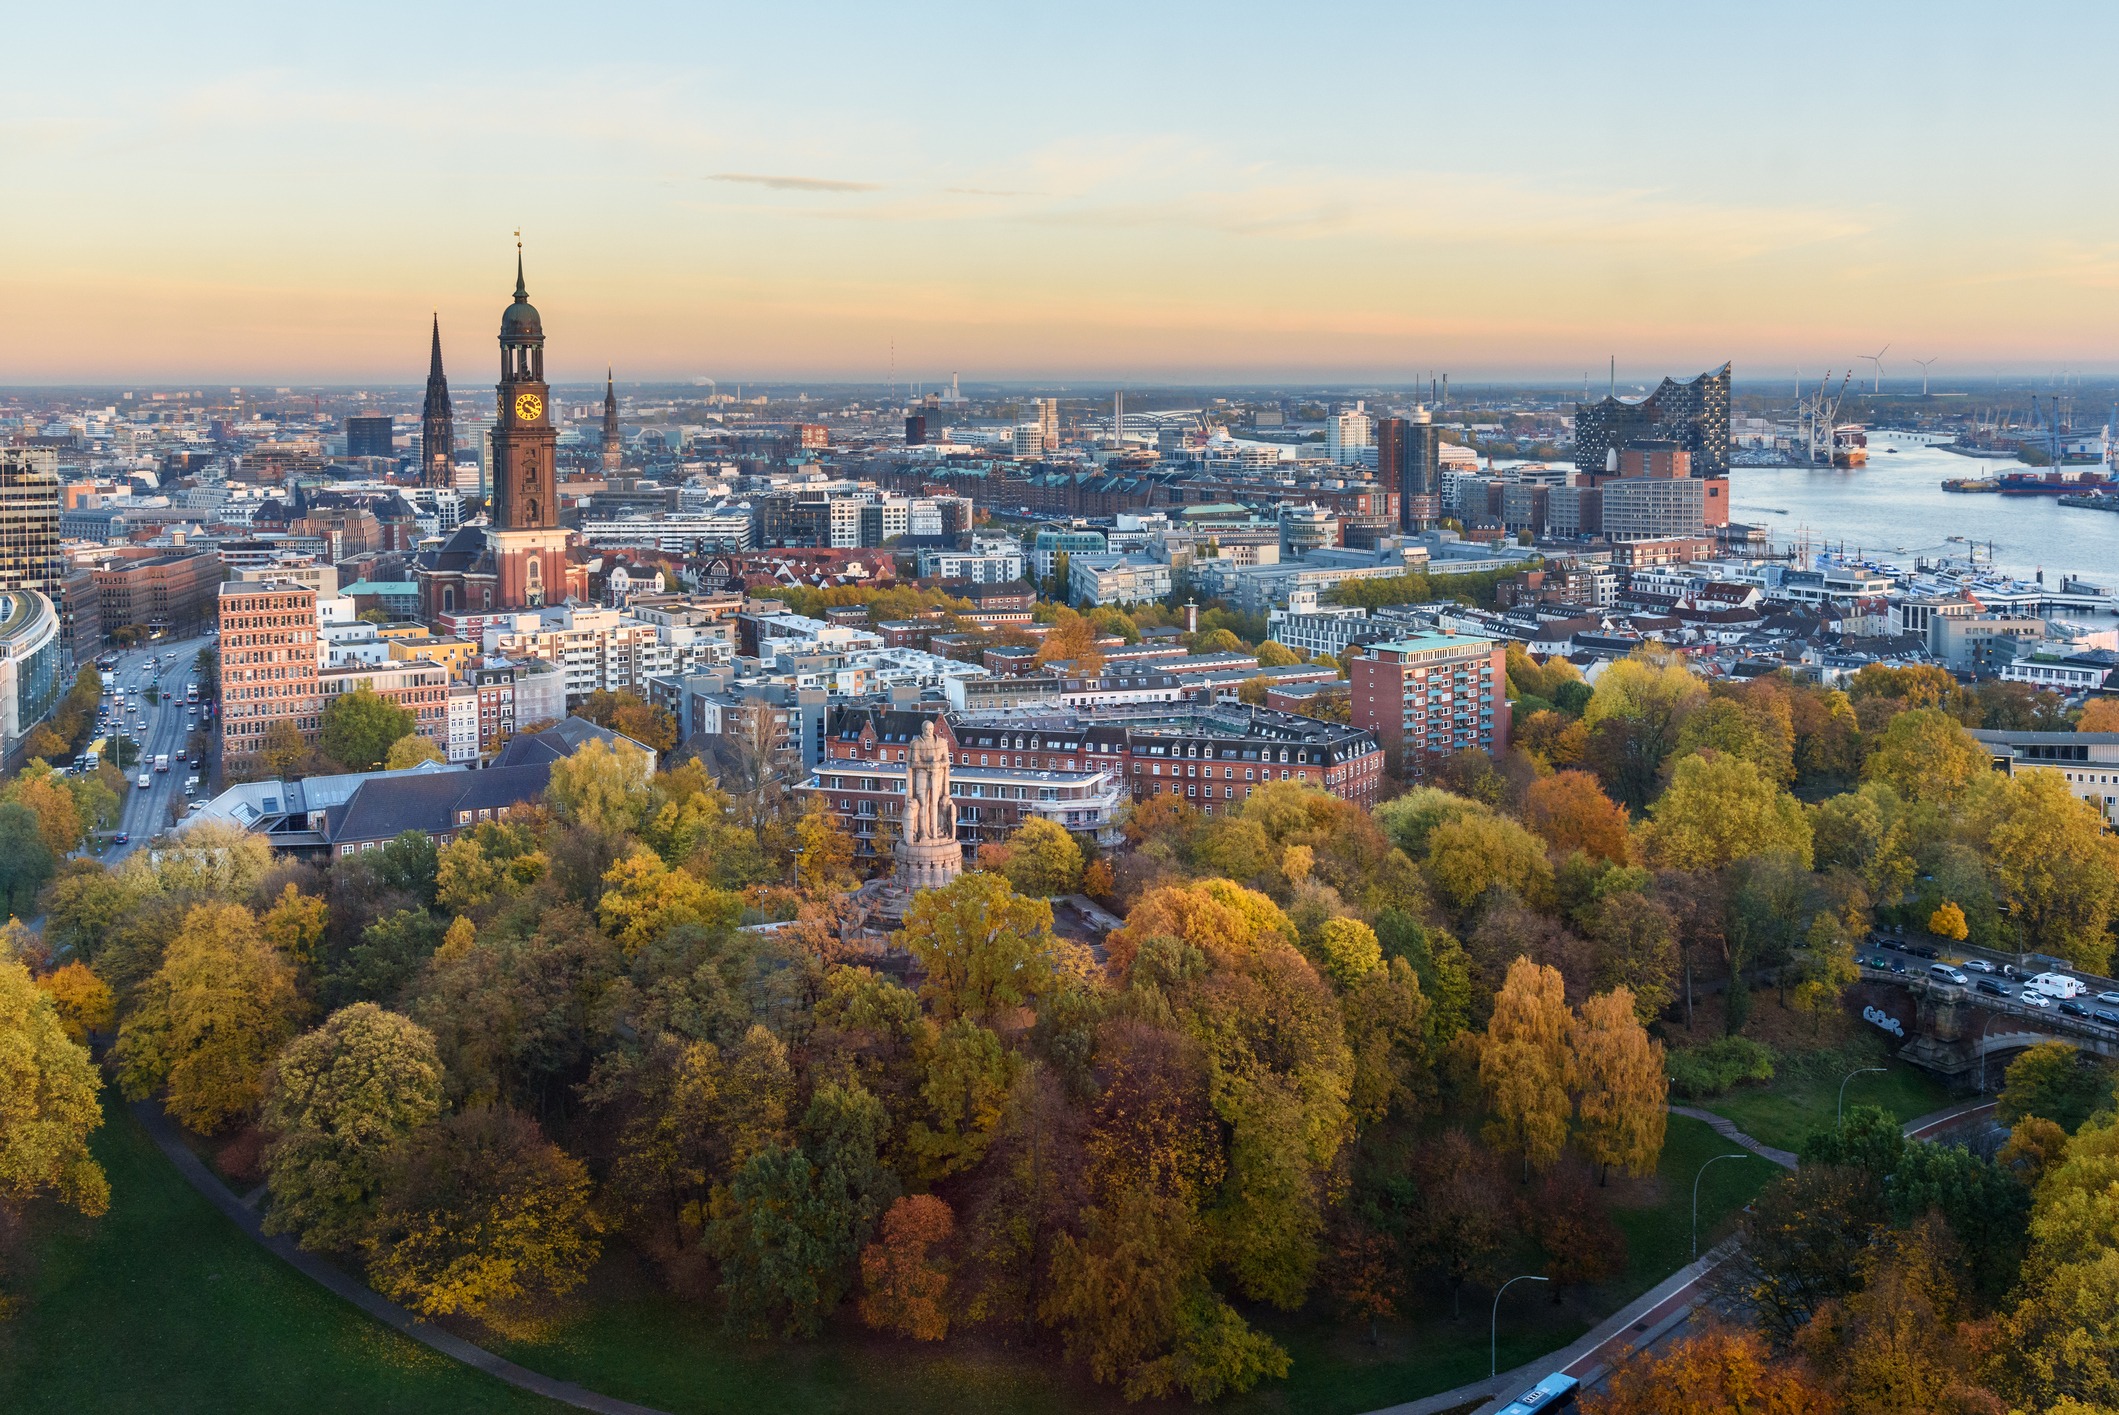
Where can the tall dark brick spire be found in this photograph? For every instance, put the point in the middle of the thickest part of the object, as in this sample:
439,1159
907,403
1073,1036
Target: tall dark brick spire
437,424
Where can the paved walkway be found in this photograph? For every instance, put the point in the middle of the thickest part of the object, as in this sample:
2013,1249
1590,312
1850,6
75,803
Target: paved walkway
1726,1128
163,1131
1656,1313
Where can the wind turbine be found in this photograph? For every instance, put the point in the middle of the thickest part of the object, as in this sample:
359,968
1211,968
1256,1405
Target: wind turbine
1924,374
1877,358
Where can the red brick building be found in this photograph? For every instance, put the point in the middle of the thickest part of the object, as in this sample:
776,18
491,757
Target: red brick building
1428,695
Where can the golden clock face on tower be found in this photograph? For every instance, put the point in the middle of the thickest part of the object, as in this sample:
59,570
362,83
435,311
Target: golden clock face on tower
528,406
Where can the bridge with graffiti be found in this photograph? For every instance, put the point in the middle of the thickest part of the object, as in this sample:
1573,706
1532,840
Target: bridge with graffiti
1953,1030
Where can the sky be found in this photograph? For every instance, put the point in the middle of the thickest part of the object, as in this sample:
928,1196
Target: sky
1142,192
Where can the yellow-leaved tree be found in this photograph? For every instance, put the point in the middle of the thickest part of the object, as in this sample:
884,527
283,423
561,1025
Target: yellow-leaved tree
210,1020
1722,808
48,1102
1621,1088
1523,1065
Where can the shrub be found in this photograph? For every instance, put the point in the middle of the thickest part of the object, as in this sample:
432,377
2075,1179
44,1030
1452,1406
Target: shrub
1699,1072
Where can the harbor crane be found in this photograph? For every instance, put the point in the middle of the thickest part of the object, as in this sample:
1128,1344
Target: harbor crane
1818,418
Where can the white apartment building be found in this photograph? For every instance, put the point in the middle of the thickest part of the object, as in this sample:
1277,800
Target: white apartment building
462,705
1315,628
1347,435
1116,579
980,567
678,530
593,648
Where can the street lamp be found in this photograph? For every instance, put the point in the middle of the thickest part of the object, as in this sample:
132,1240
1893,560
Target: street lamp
1733,1155
1493,1335
1841,1118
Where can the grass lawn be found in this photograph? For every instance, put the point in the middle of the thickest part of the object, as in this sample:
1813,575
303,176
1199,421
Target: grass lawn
164,1306
1786,1110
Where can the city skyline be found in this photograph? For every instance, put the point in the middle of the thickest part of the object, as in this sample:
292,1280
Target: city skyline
1122,196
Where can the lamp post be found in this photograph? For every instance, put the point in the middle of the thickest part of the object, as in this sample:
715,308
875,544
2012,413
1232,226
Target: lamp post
1493,1336
1732,1155
1841,1118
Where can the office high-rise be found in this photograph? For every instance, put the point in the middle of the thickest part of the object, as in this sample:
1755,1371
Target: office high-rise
29,522
1409,459
369,435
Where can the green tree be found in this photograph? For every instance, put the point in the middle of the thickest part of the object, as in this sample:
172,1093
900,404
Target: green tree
337,1100
48,1102
360,726
1473,853
968,1075
26,862
984,947
2051,1082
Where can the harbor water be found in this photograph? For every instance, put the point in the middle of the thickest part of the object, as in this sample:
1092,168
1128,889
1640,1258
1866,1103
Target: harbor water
1895,510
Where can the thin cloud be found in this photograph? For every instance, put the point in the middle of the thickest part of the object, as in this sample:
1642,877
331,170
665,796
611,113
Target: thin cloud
794,184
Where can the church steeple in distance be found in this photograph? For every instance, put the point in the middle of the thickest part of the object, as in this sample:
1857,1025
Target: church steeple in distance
437,424
613,450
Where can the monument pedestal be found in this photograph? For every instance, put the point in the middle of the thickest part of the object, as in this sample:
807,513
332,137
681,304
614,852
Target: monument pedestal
928,864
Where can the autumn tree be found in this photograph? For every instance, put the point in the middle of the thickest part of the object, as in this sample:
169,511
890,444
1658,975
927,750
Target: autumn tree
2099,715
478,1215
410,750
643,900
336,1101
83,1001
283,752
1636,940
2052,860
48,1102
823,851
1387,1030
1570,812
1044,859
1721,1371
1620,1085
2061,1344
58,813
359,726
294,926
26,862
1523,1065
983,946
601,788
1582,1245
1273,654
904,1289
1719,809
1470,854
210,1020
966,1077
1072,640
1926,755
1948,922
1348,951
1461,1221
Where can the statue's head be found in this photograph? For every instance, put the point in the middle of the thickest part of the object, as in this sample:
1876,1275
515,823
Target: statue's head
927,730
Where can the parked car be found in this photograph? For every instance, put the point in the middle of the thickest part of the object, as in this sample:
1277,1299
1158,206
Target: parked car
1988,985
2035,999
2073,1009
1977,965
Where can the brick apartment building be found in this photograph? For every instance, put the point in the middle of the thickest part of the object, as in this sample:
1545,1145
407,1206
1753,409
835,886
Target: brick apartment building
166,593
1427,695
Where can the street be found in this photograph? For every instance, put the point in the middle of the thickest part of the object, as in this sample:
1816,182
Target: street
158,727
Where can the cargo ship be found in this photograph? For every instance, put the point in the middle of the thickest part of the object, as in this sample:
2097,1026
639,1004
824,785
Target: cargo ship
1970,484
2054,483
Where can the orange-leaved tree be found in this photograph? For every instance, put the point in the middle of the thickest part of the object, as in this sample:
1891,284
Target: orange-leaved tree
905,1289
1523,1065
1617,1073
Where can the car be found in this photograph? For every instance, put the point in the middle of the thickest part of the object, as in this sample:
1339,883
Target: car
1893,944
2111,997
1897,967
2035,999
1877,960
1976,965
1989,985
2073,1009
1922,950
2010,970
146,781
1944,973
125,837
2107,1016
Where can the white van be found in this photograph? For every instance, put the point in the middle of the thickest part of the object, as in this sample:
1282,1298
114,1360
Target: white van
1944,973
2058,985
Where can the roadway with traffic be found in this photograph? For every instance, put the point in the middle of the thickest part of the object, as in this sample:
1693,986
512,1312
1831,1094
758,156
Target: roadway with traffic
159,728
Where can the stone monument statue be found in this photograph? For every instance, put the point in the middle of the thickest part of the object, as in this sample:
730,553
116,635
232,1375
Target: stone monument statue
927,851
